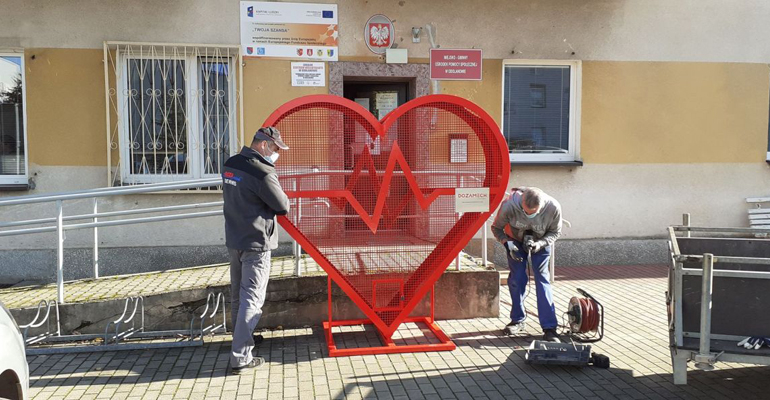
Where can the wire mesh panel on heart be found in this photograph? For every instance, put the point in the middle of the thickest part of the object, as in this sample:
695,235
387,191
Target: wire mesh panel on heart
374,202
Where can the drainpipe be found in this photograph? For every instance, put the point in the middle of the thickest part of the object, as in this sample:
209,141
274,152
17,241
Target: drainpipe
430,28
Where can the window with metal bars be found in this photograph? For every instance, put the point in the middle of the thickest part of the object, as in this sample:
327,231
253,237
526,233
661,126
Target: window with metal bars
176,111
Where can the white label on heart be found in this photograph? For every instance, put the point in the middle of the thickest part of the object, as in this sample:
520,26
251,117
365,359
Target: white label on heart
472,200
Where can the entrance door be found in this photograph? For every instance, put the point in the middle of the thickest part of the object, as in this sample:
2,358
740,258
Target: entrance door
379,98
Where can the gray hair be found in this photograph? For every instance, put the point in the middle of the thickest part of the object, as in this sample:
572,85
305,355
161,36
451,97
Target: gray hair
532,197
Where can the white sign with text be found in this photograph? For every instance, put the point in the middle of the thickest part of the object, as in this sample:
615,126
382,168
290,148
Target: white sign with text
308,74
471,200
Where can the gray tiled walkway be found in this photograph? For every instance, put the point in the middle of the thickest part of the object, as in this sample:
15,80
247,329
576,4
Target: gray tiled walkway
484,365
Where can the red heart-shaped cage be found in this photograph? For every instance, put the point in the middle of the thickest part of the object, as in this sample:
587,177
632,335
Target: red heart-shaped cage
373,202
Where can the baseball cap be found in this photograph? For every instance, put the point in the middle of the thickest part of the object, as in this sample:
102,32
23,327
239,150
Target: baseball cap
271,133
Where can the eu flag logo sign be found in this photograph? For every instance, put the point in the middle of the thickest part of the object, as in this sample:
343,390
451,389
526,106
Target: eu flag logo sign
327,14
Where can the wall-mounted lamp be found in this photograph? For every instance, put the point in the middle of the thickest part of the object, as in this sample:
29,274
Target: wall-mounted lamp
416,31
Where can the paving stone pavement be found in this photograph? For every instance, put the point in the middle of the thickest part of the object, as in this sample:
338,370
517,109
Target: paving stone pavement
484,365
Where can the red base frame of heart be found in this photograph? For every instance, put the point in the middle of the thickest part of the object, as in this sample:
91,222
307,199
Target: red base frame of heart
389,227
389,346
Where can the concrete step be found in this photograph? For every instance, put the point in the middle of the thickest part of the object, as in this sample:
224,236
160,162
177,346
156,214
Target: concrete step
172,297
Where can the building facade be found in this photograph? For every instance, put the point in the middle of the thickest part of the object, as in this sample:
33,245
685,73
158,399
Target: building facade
629,113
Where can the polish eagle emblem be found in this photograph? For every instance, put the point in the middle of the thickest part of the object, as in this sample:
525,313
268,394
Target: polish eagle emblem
379,35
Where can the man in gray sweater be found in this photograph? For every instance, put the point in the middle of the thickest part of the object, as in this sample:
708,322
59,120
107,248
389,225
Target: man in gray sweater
534,222
252,199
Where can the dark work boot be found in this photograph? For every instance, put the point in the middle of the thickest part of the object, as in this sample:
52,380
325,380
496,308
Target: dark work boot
550,335
258,339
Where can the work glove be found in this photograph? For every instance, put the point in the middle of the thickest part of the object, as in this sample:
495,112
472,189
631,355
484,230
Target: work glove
512,250
534,246
754,342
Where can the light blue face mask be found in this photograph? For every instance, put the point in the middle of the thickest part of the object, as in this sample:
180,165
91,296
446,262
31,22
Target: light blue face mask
273,157
533,215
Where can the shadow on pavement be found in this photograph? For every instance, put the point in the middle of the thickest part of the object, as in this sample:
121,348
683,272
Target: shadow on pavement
513,378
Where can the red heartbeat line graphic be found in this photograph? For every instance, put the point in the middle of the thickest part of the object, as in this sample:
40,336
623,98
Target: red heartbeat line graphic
372,221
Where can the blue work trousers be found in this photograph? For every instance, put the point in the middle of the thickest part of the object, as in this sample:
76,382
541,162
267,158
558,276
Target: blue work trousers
517,283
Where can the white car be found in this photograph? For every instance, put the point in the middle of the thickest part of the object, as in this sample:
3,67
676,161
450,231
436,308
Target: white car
14,371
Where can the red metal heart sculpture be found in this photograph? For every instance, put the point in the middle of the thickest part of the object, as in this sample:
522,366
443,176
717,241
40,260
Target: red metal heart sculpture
373,202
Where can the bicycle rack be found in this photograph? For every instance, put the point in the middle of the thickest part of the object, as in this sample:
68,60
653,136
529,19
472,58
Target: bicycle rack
45,320
124,320
117,339
212,301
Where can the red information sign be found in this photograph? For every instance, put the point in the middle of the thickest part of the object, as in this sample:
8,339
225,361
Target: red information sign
455,64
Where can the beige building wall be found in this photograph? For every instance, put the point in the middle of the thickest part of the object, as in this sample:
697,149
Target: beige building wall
661,134
658,139
618,30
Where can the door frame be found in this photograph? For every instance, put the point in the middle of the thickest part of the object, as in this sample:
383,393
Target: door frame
418,76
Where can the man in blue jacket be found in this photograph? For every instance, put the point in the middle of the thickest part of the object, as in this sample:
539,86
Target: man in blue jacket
252,199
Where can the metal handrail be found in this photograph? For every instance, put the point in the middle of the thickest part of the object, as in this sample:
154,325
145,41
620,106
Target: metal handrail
293,175
112,223
105,192
59,227
113,214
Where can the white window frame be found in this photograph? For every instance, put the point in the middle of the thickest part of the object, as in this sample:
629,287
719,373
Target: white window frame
194,123
20,179
234,115
576,74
